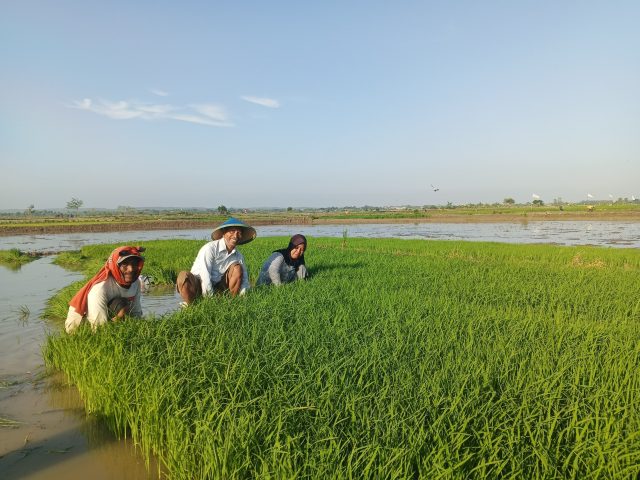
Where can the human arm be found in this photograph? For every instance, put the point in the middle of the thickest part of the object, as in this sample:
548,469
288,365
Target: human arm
302,272
245,280
274,268
97,305
73,321
203,267
136,305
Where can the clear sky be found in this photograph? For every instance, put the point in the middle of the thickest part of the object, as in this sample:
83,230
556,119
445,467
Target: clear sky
312,104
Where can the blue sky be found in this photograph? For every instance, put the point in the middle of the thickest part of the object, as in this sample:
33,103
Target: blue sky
312,104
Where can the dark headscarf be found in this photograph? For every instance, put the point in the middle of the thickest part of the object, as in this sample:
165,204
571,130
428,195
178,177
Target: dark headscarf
286,252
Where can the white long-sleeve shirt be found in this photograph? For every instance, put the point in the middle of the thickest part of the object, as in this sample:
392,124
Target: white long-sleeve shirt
98,300
213,260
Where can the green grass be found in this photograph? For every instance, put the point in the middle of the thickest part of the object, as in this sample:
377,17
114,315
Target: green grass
398,359
14,258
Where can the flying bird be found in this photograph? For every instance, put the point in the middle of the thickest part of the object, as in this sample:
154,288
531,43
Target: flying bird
434,188
535,196
589,195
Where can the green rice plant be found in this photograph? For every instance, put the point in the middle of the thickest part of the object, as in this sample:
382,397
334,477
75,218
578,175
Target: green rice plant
58,305
9,423
14,258
23,313
397,359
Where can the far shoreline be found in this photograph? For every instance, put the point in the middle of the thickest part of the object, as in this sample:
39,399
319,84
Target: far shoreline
128,225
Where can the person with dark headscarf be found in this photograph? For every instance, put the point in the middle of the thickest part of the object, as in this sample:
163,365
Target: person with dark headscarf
112,293
286,265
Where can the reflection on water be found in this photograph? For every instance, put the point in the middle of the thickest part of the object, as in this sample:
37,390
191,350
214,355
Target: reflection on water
54,438
49,435
612,234
22,300
60,441
160,299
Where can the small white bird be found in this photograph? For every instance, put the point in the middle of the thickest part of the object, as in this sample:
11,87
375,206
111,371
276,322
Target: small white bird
434,188
589,195
535,196
633,198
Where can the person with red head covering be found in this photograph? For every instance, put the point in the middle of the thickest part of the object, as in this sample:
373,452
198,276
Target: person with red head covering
286,265
112,293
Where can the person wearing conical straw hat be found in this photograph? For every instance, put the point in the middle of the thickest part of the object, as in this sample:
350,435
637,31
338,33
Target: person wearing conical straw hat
219,266
112,293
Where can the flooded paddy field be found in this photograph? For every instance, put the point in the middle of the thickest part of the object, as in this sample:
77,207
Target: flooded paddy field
623,234
45,432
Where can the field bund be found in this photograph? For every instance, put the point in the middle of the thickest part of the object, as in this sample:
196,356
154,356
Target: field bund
398,359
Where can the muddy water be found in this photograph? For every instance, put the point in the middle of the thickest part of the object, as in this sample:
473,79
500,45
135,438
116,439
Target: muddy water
44,430
603,233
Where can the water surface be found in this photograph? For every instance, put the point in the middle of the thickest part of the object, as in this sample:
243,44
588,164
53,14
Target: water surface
601,233
45,432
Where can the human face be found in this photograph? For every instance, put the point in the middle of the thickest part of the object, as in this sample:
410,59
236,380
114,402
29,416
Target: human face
232,236
297,252
129,269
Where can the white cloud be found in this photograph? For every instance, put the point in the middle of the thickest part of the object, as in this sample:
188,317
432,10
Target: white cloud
185,117
212,111
150,111
117,110
265,102
84,104
204,114
158,92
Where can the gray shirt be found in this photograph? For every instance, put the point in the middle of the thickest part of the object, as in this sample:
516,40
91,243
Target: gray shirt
275,271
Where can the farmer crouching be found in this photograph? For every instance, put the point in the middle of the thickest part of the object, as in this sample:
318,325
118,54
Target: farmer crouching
112,293
285,265
218,267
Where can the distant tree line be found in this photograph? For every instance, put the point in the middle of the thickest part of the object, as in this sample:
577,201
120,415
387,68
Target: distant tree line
74,208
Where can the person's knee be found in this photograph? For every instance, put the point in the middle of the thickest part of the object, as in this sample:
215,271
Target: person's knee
235,272
183,277
118,307
234,276
187,286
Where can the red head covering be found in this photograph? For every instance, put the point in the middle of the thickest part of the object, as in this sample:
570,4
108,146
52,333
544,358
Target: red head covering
79,301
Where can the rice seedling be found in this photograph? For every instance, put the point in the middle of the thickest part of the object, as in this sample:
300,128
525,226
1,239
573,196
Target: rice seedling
14,258
9,423
397,359
23,313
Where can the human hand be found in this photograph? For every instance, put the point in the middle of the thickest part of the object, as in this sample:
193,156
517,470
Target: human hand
119,315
